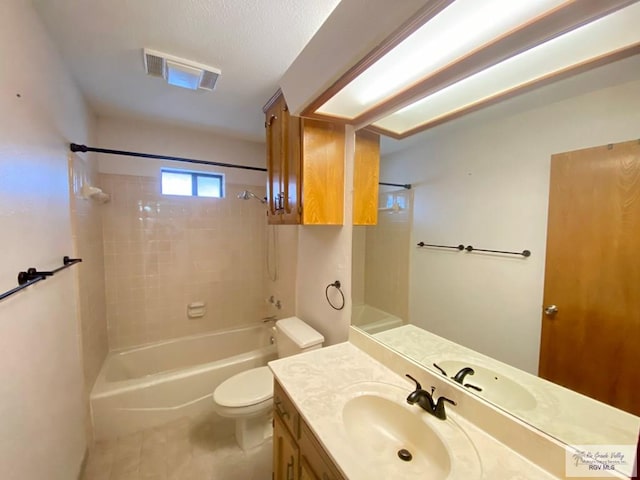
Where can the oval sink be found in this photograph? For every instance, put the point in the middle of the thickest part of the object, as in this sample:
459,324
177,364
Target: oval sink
496,388
392,436
382,428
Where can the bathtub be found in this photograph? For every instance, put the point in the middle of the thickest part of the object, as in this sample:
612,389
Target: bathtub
373,320
142,387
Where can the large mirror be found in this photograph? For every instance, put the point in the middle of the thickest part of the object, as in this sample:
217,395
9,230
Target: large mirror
485,180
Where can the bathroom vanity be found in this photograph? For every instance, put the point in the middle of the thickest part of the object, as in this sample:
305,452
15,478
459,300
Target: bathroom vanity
341,413
297,454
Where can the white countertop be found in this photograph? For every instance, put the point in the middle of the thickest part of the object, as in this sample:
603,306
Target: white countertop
320,381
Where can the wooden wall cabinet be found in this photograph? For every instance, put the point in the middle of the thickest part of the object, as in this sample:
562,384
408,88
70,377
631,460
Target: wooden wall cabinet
305,170
297,454
366,175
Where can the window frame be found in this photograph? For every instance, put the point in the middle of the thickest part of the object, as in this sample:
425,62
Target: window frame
194,181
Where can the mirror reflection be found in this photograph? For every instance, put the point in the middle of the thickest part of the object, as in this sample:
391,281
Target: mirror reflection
502,179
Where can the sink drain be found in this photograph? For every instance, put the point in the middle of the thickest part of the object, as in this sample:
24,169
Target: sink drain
405,455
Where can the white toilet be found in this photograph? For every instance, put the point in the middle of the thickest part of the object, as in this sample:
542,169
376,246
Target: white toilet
248,396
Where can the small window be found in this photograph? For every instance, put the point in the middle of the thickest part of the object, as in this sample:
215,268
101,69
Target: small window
191,184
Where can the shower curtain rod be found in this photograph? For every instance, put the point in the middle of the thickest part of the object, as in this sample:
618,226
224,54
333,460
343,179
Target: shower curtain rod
74,147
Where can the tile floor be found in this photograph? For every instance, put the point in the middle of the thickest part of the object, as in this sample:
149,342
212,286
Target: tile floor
179,451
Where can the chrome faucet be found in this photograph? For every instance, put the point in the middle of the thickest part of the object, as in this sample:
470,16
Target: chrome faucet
425,400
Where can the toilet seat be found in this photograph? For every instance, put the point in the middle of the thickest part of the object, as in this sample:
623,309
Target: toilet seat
251,387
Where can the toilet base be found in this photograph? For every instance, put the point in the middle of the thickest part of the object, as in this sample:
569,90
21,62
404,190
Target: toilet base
253,431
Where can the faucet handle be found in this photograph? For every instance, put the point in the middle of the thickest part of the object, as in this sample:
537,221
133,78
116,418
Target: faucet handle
445,399
418,386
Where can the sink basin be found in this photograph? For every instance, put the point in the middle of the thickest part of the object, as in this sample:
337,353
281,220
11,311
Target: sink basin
496,387
382,428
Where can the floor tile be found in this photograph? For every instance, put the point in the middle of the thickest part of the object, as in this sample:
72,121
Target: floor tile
180,450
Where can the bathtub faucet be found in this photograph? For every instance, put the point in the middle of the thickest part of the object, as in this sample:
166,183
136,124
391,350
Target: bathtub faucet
270,318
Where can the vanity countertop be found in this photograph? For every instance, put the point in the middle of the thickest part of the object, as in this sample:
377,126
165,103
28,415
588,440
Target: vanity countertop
319,381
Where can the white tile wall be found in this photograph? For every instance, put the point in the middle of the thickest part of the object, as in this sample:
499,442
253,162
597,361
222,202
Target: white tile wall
163,252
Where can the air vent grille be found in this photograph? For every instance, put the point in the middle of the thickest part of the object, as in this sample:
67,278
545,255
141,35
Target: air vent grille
209,80
155,64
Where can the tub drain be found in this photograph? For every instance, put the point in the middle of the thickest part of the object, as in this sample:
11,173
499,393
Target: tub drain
405,455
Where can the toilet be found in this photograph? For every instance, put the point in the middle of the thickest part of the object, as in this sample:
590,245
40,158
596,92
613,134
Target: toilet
247,397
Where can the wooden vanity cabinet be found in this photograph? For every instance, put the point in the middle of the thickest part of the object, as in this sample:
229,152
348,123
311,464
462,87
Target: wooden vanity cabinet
297,454
285,453
305,168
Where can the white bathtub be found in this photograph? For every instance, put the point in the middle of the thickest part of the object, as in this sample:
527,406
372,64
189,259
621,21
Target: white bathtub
147,386
373,320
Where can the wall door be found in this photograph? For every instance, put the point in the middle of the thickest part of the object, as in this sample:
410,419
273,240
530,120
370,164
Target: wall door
591,317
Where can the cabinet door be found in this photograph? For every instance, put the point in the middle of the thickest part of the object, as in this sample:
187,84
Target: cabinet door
366,175
316,463
285,453
292,158
274,138
306,473
322,173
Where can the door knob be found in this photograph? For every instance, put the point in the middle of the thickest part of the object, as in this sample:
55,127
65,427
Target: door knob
550,310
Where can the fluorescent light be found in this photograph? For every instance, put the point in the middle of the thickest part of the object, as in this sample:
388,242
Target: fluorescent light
459,29
613,32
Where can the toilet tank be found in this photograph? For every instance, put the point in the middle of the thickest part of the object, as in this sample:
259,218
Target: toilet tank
294,336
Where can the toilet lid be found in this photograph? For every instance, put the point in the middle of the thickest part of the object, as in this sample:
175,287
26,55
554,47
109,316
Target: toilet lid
246,388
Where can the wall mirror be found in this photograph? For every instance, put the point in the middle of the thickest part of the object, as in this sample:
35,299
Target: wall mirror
486,180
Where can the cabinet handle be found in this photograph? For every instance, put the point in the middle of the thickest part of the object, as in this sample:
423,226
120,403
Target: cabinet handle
279,202
290,469
267,126
281,411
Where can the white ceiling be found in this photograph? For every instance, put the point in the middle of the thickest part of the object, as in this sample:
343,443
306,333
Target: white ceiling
253,42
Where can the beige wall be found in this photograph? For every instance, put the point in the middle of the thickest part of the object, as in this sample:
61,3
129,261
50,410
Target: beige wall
148,136
41,380
86,222
484,181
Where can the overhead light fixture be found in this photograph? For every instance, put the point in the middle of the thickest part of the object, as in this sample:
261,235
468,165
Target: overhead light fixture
451,42
457,30
180,72
606,39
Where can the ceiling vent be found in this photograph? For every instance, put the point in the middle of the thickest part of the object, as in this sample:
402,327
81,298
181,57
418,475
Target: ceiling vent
180,72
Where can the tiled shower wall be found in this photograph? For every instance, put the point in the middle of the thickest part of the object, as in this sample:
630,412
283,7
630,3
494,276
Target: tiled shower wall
164,252
87,243
386,256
